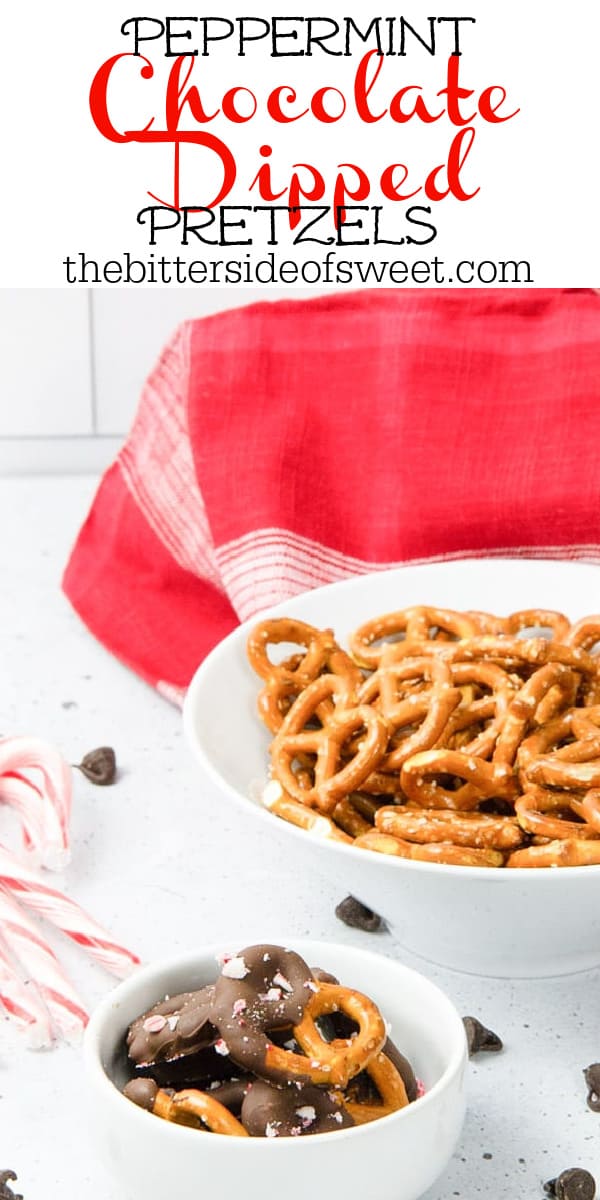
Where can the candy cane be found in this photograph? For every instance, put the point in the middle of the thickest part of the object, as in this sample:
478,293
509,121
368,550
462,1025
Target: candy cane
37,782
39,961
65,914
22,1003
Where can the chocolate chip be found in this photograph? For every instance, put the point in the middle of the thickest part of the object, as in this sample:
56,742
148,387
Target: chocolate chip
479,1038
591,1075
575,1184
358,916
99,766
6,1192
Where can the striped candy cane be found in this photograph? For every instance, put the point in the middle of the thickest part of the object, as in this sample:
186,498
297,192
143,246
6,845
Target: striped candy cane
65,914
22,1003
41,966
37,782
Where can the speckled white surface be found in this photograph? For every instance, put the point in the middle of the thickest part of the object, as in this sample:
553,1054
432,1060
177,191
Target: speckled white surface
160,860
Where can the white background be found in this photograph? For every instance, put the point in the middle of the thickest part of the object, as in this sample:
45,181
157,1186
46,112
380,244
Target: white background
67,189
72,365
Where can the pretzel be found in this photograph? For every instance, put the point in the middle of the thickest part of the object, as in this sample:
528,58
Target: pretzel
571,852
482,780
535,815
391,1088
341,1058
192,1107
589,808
276,698
332,780
275,799
532,651
415,623
348,818
490,708
435,705
322,651
524,706
539,618
486,622
441,852
476,830
454,738
550,771
584,633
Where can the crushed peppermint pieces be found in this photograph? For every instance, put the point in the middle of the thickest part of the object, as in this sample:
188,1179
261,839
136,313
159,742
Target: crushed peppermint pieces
239,1007
282,982
173,1022
221,1046
421,1089
273,994
307,1114
154,1024
271,1130
235,968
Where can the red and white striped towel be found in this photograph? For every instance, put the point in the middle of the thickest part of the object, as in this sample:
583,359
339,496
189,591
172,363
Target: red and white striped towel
286,445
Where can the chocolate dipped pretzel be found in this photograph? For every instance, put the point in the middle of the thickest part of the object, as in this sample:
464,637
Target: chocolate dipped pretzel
272,1048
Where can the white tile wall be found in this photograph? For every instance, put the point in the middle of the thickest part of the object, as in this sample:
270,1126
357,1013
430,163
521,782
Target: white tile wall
72,365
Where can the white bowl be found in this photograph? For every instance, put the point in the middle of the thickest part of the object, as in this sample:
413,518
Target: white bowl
395,1158
524,923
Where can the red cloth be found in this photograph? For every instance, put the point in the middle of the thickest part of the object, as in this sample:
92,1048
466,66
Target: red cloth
285,445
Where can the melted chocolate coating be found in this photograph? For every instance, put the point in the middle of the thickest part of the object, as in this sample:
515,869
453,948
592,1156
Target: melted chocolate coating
142,1092
190,1070
291,1111
263,988
186,1029
403,1068
232,1093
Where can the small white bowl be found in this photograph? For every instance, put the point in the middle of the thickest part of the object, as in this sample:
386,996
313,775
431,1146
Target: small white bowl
514,923
395,1158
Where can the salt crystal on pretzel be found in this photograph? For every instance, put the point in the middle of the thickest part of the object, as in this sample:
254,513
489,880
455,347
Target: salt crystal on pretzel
37,782
65,914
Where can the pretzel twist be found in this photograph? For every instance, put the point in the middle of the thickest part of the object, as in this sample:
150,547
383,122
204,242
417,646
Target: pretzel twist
200,1105
539,618
332,780
419,780
342,1058
540,812
391,1088
414,623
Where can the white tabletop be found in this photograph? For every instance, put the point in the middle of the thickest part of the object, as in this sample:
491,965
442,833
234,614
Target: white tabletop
162,861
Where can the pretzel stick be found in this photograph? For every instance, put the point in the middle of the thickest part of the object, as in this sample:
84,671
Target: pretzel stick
36,957
65,914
